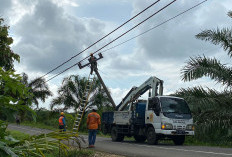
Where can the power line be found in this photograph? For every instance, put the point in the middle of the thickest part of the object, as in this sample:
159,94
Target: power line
107,75
115,39
154,27
130,29
61,72
135,36
101,38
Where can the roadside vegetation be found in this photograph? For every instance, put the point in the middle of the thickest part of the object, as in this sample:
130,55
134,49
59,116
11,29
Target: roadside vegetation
211,109
18,135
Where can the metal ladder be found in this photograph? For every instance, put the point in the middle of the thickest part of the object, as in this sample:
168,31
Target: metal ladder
84,101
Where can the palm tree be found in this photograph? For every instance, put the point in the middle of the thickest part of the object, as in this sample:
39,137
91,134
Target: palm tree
38,88
72,90
211,109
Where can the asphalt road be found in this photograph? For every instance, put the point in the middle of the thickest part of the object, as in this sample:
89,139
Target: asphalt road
132,149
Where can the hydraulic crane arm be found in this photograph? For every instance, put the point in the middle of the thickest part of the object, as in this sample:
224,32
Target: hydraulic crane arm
152,83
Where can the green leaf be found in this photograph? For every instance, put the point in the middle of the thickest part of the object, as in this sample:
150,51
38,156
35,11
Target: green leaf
7,149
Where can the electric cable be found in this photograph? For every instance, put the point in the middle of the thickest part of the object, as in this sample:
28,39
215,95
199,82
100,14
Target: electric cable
101,38
154,27
115,39
133,37
130,29
108,76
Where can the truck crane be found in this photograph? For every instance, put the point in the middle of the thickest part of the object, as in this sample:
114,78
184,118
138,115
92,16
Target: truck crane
158,117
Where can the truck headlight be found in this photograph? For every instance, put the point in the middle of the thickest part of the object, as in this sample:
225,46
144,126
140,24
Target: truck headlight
166,126
190,127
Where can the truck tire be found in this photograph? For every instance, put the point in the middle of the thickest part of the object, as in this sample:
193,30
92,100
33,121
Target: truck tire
179,140
151,136
140,138
116,137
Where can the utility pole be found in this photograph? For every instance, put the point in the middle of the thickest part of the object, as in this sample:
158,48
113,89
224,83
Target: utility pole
94,66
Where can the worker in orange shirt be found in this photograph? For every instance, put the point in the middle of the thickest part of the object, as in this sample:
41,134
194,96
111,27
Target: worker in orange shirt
62,123
93,123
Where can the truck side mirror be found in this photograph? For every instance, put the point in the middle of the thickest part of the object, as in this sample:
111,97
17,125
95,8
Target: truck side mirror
156,107
157,110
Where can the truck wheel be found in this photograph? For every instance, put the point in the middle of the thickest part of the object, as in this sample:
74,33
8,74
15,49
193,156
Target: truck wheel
116,137
151,136
140,138
179,140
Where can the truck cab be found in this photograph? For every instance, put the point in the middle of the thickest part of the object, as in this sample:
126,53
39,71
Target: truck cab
170,117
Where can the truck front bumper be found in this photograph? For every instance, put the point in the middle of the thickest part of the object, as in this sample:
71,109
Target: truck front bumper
174,132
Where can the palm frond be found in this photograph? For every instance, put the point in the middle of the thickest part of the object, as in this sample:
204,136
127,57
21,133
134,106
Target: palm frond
56,102
38,83
201,66
37,145
38,88
221,37
230,14
209,107
42,94
72,90
198,97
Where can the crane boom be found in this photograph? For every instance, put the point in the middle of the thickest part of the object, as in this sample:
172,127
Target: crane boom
152,83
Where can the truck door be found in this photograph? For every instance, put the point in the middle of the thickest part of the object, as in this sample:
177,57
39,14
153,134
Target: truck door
152,115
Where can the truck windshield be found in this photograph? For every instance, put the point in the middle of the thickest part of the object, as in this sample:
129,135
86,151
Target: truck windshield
174,105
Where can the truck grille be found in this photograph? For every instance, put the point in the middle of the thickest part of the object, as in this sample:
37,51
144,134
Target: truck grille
179,127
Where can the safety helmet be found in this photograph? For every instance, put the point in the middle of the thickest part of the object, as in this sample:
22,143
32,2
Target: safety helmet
62,113
94,108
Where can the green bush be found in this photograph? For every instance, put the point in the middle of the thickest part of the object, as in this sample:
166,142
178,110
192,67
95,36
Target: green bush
3,126
49,119
18,135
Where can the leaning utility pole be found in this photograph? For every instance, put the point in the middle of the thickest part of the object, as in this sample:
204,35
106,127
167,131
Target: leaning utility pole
93,64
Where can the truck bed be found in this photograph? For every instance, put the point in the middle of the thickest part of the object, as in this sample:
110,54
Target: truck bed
136,116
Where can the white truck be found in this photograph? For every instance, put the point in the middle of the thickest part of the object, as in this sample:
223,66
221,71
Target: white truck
159,117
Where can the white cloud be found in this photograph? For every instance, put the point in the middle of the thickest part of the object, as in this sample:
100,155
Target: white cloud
118,94
18,9
51,36
62,3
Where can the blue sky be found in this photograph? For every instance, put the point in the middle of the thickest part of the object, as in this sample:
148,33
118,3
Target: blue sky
48,32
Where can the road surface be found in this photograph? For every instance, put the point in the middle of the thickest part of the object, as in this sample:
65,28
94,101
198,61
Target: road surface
133,149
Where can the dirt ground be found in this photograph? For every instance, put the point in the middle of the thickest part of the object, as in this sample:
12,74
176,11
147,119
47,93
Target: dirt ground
103,154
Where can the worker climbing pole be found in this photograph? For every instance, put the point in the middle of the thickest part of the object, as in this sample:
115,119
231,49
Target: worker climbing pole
93,65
